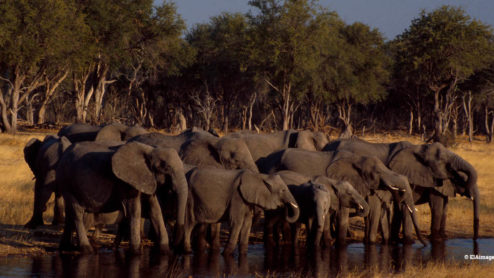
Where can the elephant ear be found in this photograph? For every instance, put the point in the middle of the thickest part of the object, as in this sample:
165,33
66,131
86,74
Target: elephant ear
344,169
256,190
113,132
65,143
31,152
200,153
306,141
447,189
129,163
408,163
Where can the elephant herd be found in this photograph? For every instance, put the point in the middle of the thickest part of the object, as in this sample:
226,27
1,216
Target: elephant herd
188,184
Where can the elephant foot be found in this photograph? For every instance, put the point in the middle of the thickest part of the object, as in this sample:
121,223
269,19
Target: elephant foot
436,237
228,251
408,241
242,249
187,250
385,241
215,246
164,249
443,235
33,223
86,249
136,250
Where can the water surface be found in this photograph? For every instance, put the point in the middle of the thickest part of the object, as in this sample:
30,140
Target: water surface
278,260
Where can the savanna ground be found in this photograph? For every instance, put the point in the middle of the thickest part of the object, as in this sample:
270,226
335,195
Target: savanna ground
17,185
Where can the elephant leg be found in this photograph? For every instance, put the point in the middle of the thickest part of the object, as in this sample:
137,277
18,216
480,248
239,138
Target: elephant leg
373,219
84,245
200,234
318,234
58,209
236,218
134,209
385,221
436,203
233,238
68,230
215,236
158,224
295,233
442,229
327,238
396,223
342,225
188,227
244,234
269,227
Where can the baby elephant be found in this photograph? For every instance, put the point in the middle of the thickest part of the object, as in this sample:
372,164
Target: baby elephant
231,195
318,197
314,200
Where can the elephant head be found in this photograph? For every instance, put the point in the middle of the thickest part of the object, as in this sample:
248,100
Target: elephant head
268,192
42,158
312,141
145,168
227,153
434,166
368,173
322,200
345,195
118,132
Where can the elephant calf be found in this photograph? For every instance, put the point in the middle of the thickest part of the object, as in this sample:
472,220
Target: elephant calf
315,209
232,195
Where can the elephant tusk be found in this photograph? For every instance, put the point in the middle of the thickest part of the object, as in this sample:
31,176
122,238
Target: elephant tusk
360,207
394,187
409,209
294,205
416,209
471,198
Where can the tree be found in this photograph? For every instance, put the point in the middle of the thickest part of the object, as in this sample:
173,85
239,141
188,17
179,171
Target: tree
285,36
439,51
222,61
354,71
34,34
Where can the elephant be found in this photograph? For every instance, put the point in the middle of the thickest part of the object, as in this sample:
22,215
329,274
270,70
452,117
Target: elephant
43,157
231,195
112,132
312,196
435,173
262,145
367,174
157,139
99,177
118,132
79,132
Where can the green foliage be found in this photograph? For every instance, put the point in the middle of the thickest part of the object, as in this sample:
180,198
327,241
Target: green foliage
442,45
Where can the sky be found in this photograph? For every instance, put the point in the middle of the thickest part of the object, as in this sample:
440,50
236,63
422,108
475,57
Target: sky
391,17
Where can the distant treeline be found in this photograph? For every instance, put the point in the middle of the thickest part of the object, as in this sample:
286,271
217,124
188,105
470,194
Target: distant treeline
286,64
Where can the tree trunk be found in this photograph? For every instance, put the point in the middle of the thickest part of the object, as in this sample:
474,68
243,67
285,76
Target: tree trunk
344,114
82,97
251,105
489,125
5,118
467,108
410,129
100,90
50,88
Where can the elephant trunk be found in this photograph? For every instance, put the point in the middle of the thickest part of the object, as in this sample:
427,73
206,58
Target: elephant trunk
472,190
413,215
41,196
476,202
182,191
295,212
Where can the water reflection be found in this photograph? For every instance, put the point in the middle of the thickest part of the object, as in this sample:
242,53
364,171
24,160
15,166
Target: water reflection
260,260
